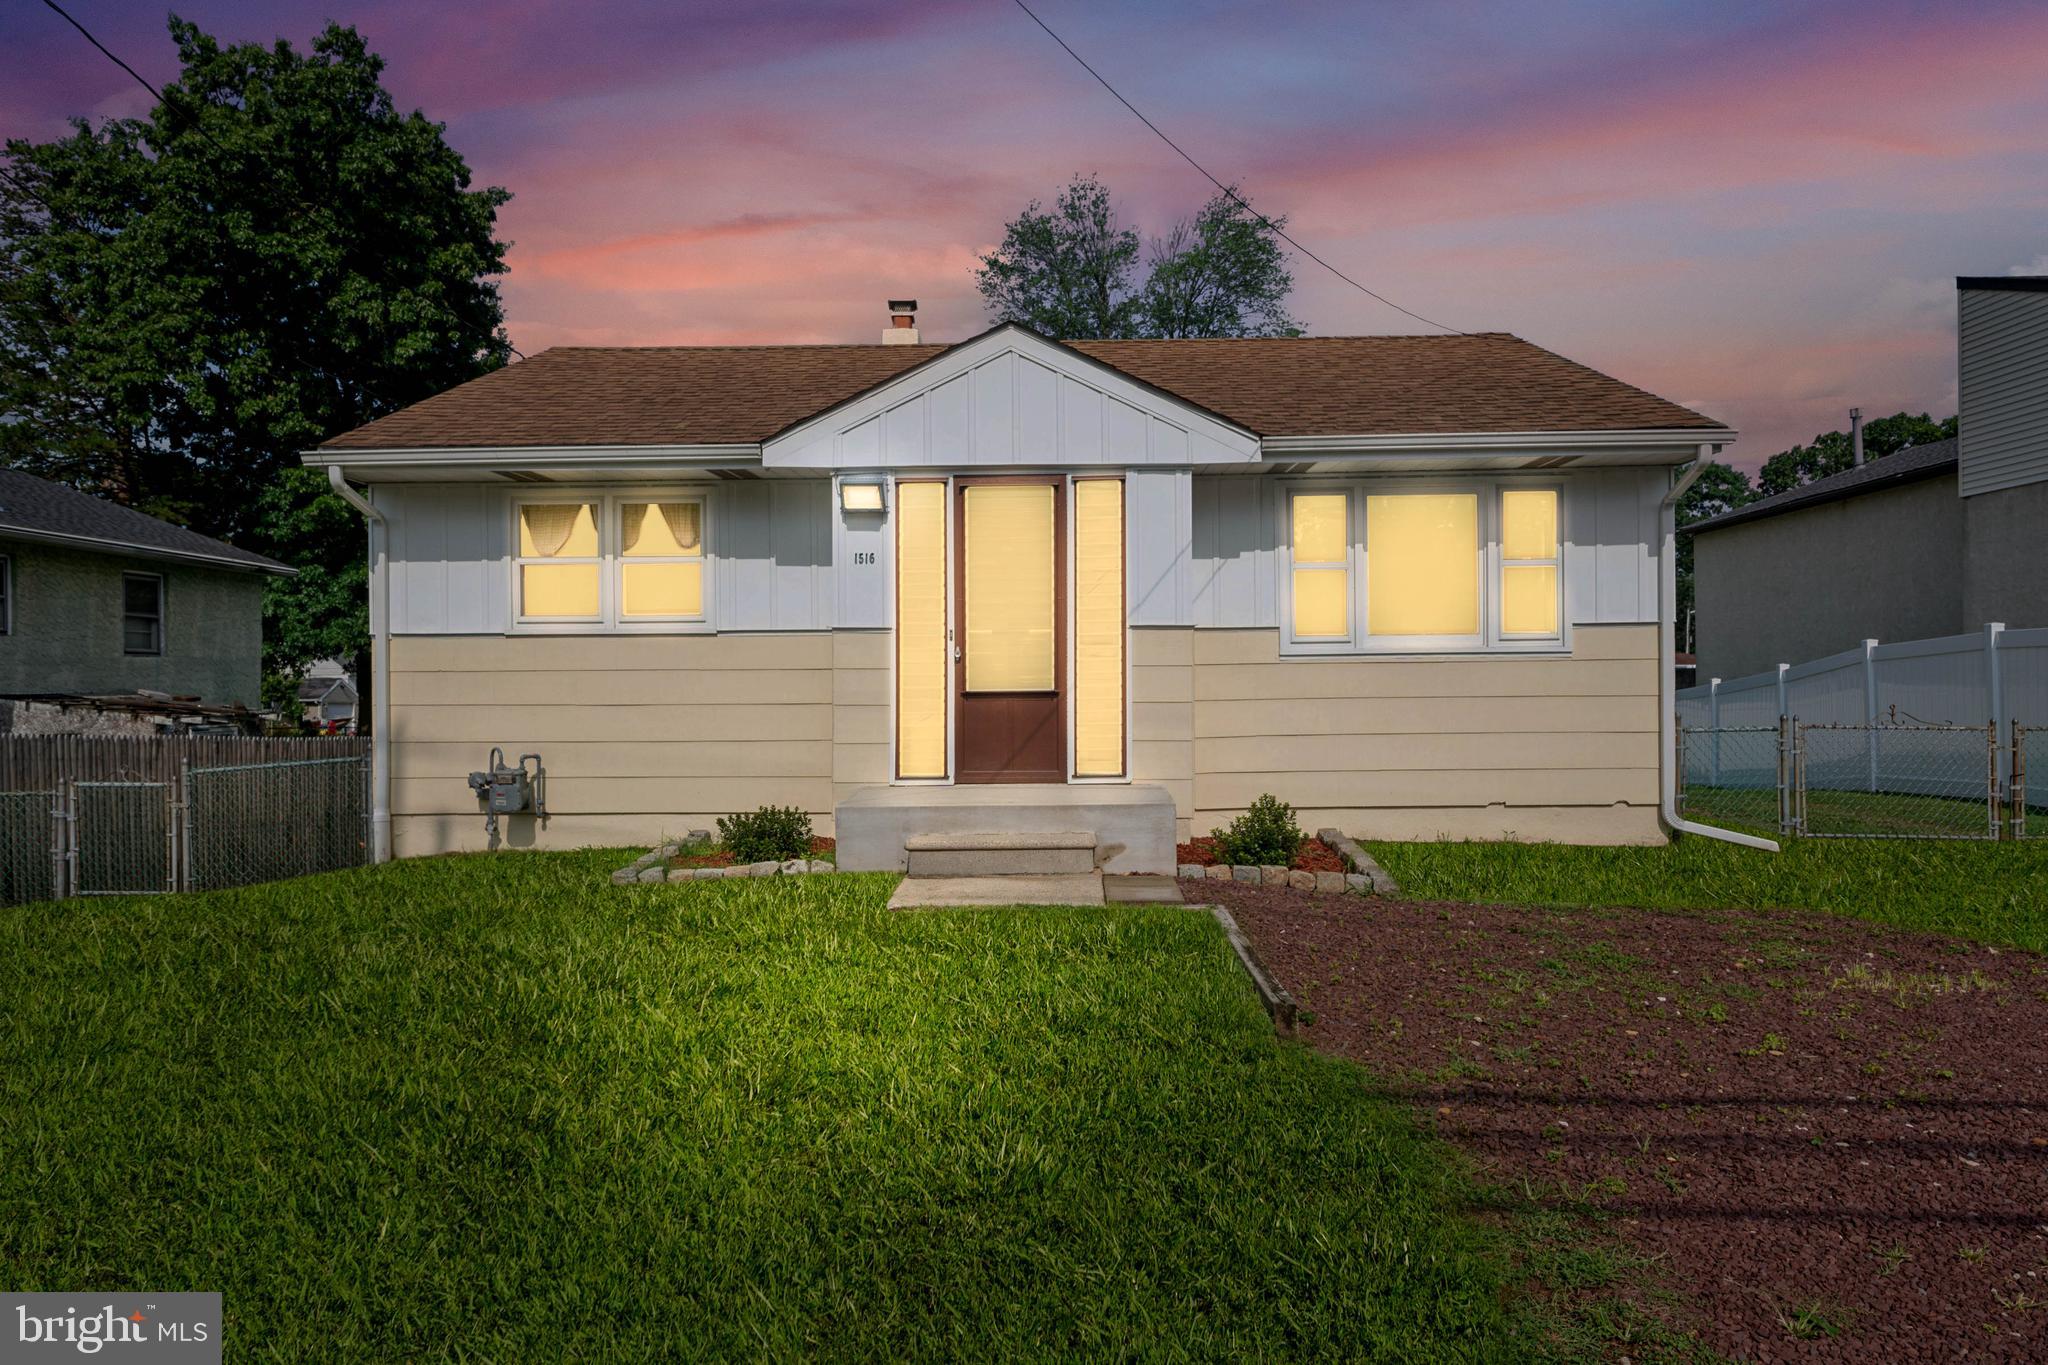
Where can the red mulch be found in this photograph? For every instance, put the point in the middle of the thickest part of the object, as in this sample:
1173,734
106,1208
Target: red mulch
1313,856
820,848
1794,1113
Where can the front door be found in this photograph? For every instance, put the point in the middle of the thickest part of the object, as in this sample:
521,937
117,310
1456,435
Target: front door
1009,536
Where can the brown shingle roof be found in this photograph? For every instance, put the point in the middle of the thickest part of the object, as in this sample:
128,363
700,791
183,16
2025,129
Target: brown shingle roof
1282,386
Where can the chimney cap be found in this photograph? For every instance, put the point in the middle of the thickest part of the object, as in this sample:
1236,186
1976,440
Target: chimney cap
903,305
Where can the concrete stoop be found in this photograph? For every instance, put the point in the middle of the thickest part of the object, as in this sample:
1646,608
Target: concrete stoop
1006,830
1063,853
935,893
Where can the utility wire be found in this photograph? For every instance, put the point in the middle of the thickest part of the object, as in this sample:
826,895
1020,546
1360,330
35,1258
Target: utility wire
106,52
1226,189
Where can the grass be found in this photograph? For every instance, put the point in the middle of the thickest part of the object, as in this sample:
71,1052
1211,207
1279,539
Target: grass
492,1108
1891,815
1992,892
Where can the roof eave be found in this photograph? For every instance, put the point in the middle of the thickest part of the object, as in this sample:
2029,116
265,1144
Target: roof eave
1672,445
471,458
1899,479
102,545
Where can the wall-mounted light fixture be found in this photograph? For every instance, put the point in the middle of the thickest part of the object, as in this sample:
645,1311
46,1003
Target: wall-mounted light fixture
861,497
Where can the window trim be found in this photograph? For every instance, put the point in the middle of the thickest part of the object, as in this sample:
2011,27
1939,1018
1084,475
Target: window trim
1353,568
156,622
1490,640
606,504
618,560
1498,636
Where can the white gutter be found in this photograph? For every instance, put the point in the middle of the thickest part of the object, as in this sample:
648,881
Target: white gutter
1506,442
537,457
1667,682
380,666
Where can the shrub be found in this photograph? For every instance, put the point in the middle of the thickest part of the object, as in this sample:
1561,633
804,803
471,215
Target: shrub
772,834
1264,835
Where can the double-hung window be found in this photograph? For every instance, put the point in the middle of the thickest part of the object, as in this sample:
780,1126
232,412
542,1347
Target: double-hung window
1389,566
620,562
142,613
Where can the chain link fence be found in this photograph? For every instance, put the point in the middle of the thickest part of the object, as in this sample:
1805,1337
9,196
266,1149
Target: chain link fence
2030,796
1861,781
1897,782
266,821
1732,775
212,827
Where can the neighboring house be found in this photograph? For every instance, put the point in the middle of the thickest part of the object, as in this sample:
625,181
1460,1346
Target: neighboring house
98,599
327,699
1409,584
1934,540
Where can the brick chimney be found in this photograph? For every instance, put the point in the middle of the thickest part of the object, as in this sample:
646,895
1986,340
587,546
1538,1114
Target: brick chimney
902,328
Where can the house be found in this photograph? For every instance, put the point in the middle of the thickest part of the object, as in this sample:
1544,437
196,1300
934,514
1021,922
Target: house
1935,540
327,697
97,599
1412,585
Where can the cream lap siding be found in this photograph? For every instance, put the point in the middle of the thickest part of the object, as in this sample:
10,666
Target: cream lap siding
1480,747
1162,715
642,735
2002,377
1610,528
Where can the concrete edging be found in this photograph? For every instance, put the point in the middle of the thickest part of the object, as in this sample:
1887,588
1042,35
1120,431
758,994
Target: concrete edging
1321,883
1279,1004
650,867
1378,879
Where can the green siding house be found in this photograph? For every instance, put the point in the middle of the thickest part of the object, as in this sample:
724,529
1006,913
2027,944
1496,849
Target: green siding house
98,599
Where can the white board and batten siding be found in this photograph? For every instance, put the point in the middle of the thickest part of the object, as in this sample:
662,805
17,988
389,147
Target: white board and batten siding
2002,376
1009,399
1611,528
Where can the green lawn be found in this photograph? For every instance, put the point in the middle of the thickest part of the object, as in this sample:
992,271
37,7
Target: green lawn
1993,892
490,1108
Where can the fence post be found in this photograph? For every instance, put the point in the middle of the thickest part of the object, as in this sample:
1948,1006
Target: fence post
1714,726
1870,705
57,868
1994,679
184,868
1784,690
1784,772
71,882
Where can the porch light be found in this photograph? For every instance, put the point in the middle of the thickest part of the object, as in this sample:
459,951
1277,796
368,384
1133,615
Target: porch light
861,497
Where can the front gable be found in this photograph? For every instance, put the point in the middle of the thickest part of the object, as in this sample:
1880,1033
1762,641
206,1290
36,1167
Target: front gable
1010,397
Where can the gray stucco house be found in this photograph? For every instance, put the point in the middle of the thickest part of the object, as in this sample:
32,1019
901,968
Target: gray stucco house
99,599
1934,540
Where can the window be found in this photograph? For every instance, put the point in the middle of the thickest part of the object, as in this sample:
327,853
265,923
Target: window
559,562
661,560
1529,604
1322,565
6,595
1389,565
1098,628
142,613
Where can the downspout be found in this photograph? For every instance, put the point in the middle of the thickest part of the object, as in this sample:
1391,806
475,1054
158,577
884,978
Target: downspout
1667,682
380,666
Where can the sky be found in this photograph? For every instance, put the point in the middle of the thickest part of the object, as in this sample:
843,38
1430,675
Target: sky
1755,209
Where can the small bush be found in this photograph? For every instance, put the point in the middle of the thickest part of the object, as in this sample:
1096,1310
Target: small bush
772,834
1264,835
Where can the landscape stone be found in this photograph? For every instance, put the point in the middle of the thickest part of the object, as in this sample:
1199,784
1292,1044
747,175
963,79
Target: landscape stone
1191,870
1217,872
1358,882
1329,883
705,874
699,836
820,865
650,874
1302,881
1244,872
795,865
1271,874
679,874
764,869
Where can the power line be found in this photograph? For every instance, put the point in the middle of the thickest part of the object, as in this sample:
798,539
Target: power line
1237,199
106,52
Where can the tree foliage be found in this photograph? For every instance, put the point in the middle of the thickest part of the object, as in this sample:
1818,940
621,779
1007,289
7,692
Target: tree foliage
272,255
1073,271
1833,451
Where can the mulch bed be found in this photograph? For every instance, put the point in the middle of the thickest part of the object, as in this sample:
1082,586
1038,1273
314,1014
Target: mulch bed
1832,1136
1313,856
820,848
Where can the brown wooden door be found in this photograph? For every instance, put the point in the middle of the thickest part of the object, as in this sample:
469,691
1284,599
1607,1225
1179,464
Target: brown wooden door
1009,538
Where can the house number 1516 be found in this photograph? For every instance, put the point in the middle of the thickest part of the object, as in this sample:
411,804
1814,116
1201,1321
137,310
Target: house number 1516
863,556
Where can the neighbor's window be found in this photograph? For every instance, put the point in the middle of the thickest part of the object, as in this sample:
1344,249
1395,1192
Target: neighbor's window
559,562
1321,525
1528,563
142,613
661,560
1422,565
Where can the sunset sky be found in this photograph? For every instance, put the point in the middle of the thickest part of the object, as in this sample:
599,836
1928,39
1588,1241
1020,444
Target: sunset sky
1756,209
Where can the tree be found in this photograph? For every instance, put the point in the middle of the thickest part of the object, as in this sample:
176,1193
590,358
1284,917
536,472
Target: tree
1833,451
189,299
1719,488
1070,272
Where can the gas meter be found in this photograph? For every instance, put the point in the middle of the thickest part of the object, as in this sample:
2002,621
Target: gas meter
507,790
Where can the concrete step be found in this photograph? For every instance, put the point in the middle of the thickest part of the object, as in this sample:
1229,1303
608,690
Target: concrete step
1132,824
1000,853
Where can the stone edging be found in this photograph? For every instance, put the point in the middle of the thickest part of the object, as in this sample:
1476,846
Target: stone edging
1279,1004
1380,882
651,866
1323,883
